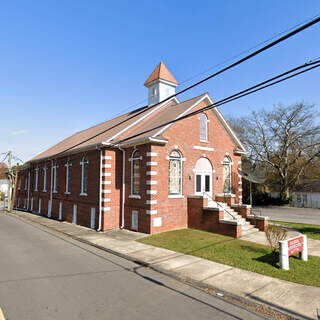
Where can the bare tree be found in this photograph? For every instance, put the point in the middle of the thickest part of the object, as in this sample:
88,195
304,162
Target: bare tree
286,138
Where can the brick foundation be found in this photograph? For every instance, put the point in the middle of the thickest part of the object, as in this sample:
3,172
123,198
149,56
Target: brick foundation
243,209
210,219
259,222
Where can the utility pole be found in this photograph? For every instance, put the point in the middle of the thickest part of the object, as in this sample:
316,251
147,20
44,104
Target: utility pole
10,176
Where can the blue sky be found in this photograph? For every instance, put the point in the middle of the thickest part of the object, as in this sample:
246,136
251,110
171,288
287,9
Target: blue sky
67,65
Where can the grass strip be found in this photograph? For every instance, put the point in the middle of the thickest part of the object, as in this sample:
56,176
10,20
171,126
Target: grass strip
237,253
312,231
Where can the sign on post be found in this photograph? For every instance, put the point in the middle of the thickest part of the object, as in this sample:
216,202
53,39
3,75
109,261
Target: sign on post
292,246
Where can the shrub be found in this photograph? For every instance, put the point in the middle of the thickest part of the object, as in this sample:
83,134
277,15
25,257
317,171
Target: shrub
274,234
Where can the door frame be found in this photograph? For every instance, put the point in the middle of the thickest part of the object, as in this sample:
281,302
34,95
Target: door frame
203,174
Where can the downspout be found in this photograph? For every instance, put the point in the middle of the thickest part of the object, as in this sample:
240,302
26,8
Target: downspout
123,185
100,194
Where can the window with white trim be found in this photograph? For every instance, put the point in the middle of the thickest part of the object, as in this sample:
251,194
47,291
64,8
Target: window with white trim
203,127
55,177
135,172
68,165
19,184
84,176
175,173
45,178
36,179
226,163
26,183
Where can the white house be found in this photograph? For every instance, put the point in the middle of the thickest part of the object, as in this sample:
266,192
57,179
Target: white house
306,194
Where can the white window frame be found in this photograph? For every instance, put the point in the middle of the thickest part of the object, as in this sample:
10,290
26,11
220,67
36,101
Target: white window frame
36,179
132,159
55,177
45,168
26,183
68,165
83,164
19,184
171,158
203,119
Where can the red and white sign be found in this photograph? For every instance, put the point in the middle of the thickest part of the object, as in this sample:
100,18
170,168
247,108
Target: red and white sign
292,246
295,245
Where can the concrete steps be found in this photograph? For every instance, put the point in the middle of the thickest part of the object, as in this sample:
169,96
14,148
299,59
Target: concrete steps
231,215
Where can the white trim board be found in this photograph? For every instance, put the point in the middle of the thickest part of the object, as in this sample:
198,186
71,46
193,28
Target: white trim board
180,115
161,105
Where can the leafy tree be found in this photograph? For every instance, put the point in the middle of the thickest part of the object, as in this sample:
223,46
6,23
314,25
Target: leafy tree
285,139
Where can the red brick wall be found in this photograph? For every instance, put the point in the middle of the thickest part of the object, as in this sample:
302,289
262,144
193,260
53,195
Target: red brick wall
183,136
208,220
84,203
154,203
112,183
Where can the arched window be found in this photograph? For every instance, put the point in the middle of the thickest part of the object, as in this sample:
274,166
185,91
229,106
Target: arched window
54,174
36,179
226,163
175,173
84,176
135,172
203,127
68,165
45,178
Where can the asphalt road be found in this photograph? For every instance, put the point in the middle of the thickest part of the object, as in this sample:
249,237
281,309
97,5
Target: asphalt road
291,214
45,276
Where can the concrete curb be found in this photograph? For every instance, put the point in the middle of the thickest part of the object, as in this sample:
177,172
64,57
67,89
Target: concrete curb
221,294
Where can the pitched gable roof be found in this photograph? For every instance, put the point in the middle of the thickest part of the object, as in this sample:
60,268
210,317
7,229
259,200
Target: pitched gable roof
134,123
161,72
111,127
167,114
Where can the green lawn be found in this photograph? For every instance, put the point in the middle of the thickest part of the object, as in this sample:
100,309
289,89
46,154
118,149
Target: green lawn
310,230
238,253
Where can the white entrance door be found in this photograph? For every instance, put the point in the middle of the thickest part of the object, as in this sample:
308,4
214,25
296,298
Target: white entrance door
203,178
204,184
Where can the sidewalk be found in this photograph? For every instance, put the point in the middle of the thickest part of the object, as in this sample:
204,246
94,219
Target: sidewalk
298,300
259,237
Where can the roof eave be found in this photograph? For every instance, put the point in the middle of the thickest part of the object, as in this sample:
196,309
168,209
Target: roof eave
142,141
78,150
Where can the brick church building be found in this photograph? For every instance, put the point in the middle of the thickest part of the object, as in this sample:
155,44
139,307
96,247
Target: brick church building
184,174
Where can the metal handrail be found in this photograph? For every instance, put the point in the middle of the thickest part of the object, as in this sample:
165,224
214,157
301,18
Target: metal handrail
255,212
224,209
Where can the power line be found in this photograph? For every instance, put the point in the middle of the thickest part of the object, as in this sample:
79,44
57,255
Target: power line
248,50
226,60
251,55
5,157
233,97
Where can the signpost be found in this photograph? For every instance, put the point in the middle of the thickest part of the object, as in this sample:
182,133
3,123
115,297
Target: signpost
292,246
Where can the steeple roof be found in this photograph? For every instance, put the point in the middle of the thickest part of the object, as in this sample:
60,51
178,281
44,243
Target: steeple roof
161,72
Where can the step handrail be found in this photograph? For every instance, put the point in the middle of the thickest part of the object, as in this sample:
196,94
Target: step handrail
224,209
